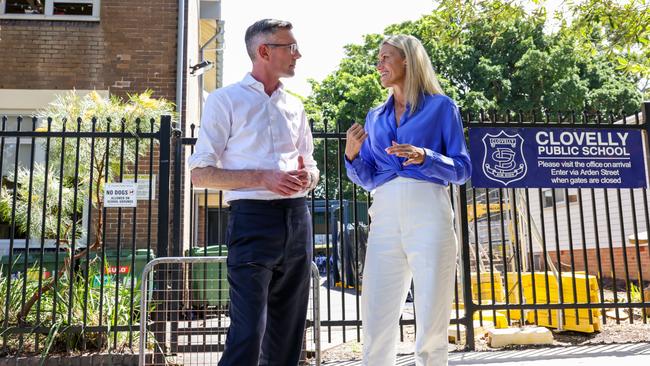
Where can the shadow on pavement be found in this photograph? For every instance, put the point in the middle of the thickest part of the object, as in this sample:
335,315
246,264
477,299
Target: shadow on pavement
553,353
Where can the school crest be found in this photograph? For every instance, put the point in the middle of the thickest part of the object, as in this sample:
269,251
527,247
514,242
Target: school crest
503,157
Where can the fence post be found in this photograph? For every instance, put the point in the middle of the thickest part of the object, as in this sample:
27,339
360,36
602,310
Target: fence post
177,246
162,247
645,113
466,279
176,279
163,193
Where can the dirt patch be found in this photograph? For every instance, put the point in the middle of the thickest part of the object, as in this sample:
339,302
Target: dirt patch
348,351
611,333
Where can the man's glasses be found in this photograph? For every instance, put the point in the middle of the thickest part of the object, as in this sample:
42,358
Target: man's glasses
293,47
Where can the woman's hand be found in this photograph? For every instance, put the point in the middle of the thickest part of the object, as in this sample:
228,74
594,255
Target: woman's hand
355,136
414,155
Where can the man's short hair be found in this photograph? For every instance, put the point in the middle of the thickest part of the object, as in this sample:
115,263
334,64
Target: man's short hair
259,30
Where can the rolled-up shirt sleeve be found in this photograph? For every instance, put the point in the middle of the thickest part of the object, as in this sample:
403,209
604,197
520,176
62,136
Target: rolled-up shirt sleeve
305,146
362,169
454,163
213,133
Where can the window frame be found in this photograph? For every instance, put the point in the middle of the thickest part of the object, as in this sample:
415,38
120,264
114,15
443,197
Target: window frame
49,12
547,195
562,195
39,155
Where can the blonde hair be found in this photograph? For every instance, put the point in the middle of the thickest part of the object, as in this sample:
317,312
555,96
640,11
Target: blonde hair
420,77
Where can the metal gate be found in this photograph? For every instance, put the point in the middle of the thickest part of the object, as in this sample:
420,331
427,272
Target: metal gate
186,317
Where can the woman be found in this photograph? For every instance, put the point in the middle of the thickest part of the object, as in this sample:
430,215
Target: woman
409,150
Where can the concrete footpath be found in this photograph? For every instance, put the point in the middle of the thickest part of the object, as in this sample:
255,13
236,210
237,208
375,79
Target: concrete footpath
343,306
637,354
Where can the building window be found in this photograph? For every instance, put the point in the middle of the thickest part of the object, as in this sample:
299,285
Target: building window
8,162
217,223
560,197
50,9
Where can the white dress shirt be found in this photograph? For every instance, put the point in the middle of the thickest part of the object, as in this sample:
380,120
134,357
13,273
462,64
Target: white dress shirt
244,128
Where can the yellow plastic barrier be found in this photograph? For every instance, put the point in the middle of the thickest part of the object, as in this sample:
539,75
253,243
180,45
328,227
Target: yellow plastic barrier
570,323
488,315
586,290
486,287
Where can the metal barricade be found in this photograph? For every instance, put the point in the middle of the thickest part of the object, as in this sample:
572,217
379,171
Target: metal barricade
185,303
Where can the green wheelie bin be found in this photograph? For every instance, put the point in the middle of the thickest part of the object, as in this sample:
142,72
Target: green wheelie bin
209,282
51,263
131,265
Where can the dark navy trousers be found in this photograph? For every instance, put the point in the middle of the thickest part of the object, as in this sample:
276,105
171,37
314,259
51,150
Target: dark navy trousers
269,263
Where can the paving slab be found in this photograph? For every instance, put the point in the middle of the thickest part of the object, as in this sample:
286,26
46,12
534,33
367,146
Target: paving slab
637,354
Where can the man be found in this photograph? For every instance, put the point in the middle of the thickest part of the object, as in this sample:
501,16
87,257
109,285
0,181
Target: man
255,143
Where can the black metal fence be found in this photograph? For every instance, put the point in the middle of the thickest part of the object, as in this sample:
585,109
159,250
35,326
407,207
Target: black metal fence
574,259
571,259
71,260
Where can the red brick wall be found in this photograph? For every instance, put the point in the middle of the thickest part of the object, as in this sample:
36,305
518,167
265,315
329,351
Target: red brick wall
606,262
131,49
201,231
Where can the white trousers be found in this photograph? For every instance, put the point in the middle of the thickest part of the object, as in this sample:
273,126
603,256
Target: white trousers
411,237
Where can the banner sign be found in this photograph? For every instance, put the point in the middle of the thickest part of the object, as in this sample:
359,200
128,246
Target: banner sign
533,157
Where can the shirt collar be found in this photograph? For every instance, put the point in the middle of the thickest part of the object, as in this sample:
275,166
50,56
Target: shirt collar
249,80
388,104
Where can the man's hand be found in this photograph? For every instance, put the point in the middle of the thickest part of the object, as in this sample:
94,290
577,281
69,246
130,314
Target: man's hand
303,175
282,183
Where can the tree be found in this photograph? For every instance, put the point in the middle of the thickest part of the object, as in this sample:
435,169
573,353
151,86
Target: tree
619,30
498,55
342,98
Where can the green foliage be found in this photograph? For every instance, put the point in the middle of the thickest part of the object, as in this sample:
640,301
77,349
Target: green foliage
74,164
502,55
346,94
635,293
100,307
617,29
72,112
31,203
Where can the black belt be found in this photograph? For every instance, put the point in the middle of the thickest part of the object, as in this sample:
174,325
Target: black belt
279,203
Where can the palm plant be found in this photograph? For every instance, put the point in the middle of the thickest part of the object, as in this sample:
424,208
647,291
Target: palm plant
78,168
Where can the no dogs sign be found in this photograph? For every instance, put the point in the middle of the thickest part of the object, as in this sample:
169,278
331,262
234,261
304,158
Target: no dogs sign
121,194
